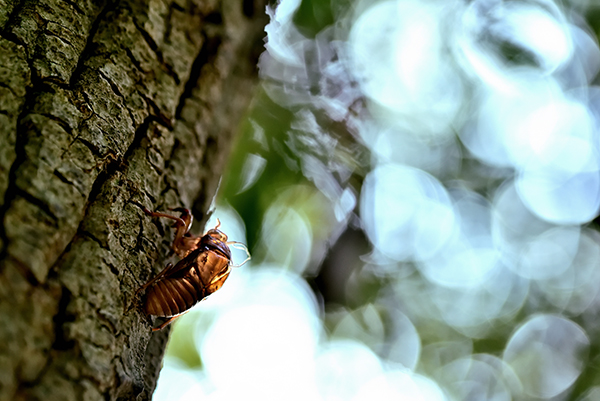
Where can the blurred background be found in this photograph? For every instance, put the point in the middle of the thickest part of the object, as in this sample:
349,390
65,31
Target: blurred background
417,181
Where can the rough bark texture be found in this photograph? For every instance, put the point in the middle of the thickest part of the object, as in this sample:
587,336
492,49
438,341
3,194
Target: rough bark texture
105,105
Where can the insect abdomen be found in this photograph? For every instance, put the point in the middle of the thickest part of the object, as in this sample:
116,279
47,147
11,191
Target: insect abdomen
171,297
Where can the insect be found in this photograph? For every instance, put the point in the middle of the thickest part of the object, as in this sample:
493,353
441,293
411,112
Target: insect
204,266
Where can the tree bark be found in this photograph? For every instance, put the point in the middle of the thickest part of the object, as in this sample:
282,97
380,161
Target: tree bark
105,106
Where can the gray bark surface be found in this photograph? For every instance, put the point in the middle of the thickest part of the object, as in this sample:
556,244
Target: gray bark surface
105,106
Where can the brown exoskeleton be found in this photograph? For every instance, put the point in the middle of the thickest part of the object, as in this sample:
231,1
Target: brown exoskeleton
204,266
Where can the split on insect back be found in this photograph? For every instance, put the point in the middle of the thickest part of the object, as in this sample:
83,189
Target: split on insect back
204,266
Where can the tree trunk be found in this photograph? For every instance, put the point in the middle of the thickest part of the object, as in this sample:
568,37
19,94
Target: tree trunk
105,106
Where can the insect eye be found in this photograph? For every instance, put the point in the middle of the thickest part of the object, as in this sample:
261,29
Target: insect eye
218,235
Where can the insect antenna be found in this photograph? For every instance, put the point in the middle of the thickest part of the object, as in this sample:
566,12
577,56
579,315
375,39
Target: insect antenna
240,246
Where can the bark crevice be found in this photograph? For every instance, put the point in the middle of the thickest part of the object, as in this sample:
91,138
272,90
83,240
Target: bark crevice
207,53
89,45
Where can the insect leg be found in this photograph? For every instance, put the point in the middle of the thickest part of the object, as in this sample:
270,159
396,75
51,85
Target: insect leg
186,216
183,242
179,222
165,324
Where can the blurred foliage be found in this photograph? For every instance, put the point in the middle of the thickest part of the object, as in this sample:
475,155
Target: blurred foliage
270,123
346,284
314,15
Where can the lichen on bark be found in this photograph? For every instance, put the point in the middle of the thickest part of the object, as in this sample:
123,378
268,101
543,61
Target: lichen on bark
105,106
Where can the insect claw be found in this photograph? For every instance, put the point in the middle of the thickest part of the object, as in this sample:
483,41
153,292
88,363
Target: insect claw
165,324
148,212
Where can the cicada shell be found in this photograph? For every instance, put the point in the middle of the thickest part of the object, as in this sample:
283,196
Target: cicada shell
203,269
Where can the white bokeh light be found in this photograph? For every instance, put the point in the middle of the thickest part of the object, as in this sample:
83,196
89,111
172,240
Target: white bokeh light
536,28
343,367
398,146
188,386
549,254
407,213
473,311
546,353
400,385
480,377
265,345
287,237
469,258
406,345
559,197
418,89
577,286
